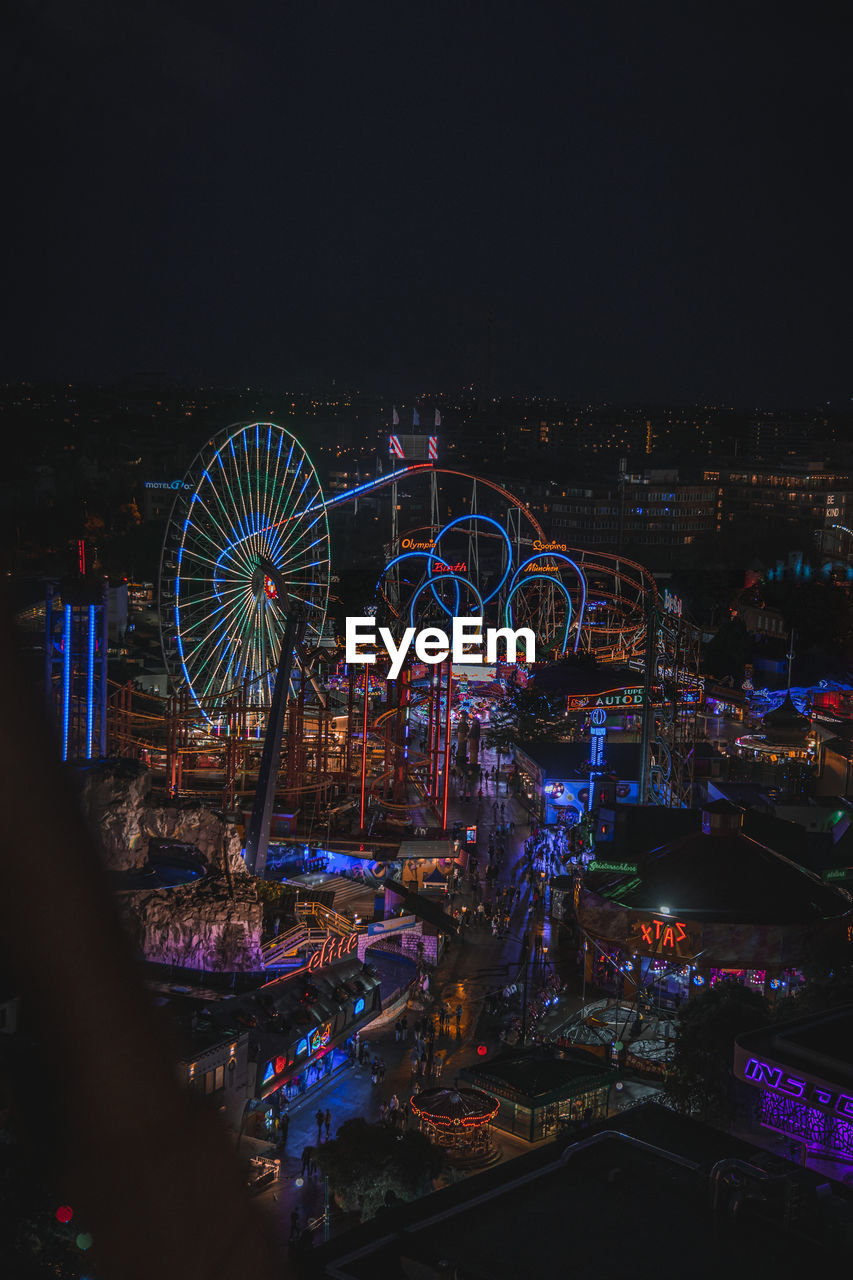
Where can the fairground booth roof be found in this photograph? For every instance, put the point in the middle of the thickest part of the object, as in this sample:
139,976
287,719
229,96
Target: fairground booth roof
540,1075
718,895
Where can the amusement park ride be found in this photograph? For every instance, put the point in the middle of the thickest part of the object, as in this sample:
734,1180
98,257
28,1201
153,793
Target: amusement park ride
243,597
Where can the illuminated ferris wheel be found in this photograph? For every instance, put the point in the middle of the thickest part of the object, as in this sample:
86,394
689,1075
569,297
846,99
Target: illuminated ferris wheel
250,499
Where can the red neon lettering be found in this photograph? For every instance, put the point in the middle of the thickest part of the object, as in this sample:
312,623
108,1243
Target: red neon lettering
668,937
681,933
646,930
658,927
332,949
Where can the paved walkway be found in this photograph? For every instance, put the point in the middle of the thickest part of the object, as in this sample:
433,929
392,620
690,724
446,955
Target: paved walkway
476,965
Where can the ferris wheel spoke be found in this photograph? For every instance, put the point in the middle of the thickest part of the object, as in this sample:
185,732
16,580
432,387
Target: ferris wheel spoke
248,480
227,516
302,533
242,523
230,617
231,535
286,506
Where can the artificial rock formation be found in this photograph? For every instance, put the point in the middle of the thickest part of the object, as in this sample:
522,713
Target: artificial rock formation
117,802
213,924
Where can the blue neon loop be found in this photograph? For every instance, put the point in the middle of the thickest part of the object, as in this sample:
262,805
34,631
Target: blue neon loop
554,555
458,578
545,577
476,515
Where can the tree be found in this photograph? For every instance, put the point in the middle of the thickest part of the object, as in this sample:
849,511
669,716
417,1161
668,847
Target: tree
527,715
371,1165
701,1069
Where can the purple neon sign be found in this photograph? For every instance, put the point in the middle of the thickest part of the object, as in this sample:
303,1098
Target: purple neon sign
770,1077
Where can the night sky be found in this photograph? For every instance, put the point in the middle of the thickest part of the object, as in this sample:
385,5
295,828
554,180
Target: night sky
636,201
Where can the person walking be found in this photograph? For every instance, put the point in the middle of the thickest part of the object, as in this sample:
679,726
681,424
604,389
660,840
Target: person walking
307,1161
327,1121
319,1118
285,1125
381,1070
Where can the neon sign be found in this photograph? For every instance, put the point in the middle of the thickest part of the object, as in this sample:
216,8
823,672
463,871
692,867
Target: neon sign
659,935
776,1079
333,949
610,698
319,1037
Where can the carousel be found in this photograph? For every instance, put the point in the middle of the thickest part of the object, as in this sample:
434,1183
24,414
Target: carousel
458,1120
786,735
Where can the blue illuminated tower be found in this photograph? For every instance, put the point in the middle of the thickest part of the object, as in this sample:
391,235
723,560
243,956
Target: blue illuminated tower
76,618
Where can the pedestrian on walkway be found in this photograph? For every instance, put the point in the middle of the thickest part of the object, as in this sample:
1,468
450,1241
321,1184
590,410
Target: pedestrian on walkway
405,1022
381,1070
319,1118
307,1161
327,1121
414,1059
285,1125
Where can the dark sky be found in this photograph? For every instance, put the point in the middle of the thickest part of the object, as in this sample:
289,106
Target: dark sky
650,201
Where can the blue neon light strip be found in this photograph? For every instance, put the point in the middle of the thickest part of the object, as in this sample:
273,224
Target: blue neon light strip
451,576
543,577
555,555
476,515
66,680
90,684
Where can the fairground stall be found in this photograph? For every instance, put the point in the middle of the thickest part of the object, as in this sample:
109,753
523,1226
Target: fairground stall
542,1090
709,905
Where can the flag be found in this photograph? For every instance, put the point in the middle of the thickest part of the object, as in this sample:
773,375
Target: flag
395,417
416,418
437,418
